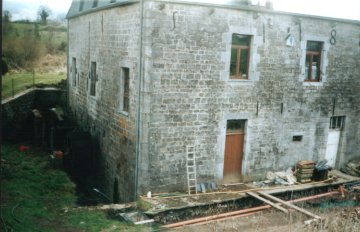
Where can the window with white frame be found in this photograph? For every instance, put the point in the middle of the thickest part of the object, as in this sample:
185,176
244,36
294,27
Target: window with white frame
313,61
240,56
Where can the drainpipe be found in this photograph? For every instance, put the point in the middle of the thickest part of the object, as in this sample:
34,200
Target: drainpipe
1,71
138,107
67,103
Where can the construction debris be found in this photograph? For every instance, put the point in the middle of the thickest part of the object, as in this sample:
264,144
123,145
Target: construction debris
137,217
249,211
321,171
305,171
207,186
255,195
289,205
352,168
281,178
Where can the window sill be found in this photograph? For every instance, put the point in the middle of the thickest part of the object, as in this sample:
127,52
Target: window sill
244,81
124,113
92,97
239,79
313,83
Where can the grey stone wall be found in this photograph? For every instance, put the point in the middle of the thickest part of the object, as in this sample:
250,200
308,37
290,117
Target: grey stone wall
110,38
187,96
17,116
192,97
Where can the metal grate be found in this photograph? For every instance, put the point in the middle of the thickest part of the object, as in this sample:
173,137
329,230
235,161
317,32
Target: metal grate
337,122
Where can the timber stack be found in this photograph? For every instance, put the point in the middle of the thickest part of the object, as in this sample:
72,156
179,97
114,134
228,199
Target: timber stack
304,171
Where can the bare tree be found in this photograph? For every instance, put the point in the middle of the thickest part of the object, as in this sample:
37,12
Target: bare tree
44,12
6,16
6,22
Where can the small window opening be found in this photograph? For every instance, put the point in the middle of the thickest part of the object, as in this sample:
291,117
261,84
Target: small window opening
337,122
95,3
73,71
126,86
235,125
240,53
297,138
116,195
93,77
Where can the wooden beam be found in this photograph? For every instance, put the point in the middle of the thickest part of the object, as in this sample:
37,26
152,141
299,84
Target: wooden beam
268,202
239,213
289,205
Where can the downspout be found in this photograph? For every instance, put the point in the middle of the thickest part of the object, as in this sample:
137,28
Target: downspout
1,71
138,107
67,104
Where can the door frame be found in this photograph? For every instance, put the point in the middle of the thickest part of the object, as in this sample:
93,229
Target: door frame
337,124
220,156
329,146
233,158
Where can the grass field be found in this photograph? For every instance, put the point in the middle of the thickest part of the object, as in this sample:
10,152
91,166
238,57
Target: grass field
16,83
37,197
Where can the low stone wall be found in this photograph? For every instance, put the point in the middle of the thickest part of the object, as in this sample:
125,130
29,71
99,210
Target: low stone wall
17,113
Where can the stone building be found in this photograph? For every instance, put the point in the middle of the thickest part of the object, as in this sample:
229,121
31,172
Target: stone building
250,89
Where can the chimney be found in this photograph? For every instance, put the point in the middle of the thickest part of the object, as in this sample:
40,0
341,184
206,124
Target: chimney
240,2
269,5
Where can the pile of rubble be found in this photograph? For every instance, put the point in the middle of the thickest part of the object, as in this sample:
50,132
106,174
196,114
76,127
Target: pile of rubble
352,168
304,171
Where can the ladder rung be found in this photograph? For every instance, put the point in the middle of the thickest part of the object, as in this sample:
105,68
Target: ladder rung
191,169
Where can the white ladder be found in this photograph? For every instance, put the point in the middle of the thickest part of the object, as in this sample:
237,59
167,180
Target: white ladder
191,169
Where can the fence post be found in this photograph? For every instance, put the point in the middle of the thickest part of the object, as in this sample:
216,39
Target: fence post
12,87
33,78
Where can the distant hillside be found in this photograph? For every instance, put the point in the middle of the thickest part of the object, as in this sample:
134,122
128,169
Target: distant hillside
28,45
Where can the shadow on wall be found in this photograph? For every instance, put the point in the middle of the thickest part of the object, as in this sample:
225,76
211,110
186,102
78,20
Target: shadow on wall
83,162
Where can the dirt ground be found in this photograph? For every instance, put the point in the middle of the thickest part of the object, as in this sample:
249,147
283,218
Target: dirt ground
345,219
339,214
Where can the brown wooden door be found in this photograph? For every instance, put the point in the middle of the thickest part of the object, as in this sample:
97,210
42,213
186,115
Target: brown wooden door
234,146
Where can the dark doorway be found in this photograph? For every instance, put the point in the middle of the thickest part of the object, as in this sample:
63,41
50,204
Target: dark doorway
116,197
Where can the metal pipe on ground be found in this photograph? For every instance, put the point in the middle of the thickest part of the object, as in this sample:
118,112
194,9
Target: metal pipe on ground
204,220
289,205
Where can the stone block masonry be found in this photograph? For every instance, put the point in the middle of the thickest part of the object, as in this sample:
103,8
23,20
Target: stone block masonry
17,116
187,95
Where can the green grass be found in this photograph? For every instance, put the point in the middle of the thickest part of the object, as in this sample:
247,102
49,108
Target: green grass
94,221
35,196
22,81
32,192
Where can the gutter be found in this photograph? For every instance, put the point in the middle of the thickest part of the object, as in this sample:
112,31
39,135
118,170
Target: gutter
138,107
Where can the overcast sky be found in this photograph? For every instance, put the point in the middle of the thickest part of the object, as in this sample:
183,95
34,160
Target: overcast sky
348,9
27,9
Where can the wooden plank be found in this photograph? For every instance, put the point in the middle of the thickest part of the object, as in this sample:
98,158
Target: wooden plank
242,212
289,205
268,202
